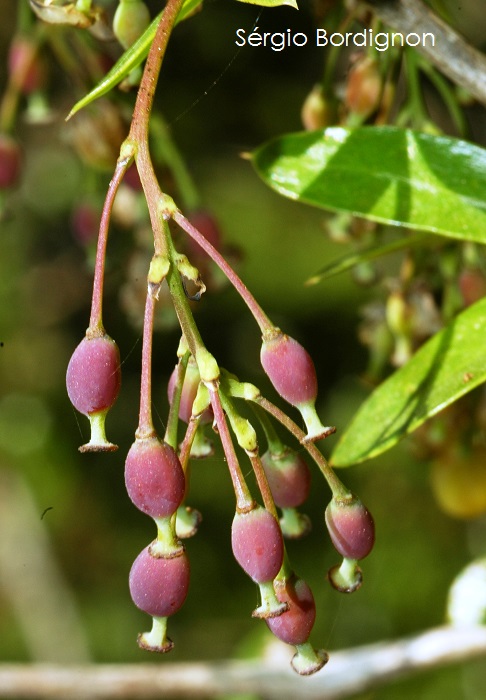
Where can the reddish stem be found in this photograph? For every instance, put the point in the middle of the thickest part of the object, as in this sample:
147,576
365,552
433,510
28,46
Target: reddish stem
262,481
244,501
96,319
266,326
145,424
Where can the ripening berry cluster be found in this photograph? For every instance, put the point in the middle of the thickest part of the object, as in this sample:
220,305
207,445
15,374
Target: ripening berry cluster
201,395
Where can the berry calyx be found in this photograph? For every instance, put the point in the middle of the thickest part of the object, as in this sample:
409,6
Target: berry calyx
351,527
154,477
93,381
291,370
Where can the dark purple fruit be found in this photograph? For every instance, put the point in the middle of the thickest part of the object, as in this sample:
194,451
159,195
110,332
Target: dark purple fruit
159,586
294,626
257,544
154,477
351,527
288,477
93,377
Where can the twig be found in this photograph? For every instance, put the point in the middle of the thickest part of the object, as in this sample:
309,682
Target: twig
347,673
452,55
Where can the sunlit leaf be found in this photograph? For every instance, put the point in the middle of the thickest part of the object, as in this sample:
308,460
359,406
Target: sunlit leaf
272,3
384,174
449,365
132,58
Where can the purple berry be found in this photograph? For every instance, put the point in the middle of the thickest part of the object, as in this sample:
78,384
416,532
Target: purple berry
190,386
294,626
351,527
10,161
93,376
257,544
290,369
159,586
154,477
288,477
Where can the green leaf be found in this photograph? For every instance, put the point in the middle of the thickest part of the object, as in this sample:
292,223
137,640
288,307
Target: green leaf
449,365
272,3
132,58
385,174
347,262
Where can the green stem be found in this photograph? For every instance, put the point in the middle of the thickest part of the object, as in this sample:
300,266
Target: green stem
173,418
335,484
167,151
275,444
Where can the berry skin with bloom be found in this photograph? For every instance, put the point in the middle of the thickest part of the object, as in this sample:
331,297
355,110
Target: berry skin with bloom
257,544
294,626
154,477
351,528
288,477
159,586
93,377
93,381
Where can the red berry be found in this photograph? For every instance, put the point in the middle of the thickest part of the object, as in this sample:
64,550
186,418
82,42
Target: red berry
288,477
159,586
351,528
10,161
93,375
26,68
154,477
257,544
290,369
294,626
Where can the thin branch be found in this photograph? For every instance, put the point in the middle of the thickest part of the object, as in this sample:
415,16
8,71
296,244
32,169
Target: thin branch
348,672
452,54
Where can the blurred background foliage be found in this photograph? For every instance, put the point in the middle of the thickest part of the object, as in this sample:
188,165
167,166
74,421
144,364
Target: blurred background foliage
68,532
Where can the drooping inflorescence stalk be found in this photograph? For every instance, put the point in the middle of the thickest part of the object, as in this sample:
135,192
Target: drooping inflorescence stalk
157,470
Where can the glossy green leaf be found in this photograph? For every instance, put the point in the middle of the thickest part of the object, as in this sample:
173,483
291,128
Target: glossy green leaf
132,58
385,174
272,3
449,365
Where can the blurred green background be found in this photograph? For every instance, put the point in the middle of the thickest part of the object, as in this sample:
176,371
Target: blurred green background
63,571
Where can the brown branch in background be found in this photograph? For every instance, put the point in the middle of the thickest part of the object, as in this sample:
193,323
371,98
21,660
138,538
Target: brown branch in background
348,672
452,55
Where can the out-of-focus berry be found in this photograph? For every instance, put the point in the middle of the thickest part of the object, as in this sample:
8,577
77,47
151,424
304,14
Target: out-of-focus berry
10,161
26,67
131,19
316,112
364,86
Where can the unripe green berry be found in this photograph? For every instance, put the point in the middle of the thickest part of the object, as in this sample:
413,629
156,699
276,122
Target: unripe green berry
131,19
